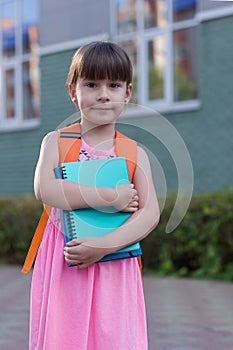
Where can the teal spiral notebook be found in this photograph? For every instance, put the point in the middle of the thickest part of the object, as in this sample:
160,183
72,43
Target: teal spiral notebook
96,222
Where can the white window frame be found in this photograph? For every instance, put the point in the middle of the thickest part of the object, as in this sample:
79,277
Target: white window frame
15,62
167,104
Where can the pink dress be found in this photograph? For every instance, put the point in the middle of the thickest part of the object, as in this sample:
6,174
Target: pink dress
100,307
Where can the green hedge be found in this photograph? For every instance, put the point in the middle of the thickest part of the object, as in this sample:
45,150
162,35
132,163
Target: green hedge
201,246
18,219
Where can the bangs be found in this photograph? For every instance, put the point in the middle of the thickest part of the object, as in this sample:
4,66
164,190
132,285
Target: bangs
103,60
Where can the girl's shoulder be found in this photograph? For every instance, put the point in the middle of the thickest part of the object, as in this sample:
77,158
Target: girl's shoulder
50,141
141,154
52,136
49,147
143,162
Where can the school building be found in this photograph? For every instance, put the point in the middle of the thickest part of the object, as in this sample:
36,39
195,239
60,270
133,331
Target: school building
182,103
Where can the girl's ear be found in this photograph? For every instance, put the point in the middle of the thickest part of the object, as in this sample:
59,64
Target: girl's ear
128,93
72,94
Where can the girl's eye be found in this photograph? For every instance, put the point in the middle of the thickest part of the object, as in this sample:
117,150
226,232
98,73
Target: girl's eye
91,84
115,85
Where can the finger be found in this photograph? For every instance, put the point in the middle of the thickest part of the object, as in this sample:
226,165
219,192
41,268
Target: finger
133,202
71,261
69,256
74,242
72,253
130,209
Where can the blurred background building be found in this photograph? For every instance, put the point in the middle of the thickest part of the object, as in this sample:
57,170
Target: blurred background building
182,54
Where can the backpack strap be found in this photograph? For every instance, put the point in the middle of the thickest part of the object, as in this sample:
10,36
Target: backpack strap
35,243
126,147
69,143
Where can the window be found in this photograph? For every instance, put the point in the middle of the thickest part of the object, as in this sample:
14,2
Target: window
184,64
131,48
157,64
160,36
19,63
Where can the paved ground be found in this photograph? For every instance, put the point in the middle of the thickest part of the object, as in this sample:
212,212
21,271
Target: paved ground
182,314
189,314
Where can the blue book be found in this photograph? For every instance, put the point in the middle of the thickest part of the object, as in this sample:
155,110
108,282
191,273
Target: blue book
96,222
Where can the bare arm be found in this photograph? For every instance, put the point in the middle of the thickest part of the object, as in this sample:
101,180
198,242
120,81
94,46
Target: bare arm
67,195
140,224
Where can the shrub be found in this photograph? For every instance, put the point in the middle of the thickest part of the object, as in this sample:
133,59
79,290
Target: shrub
201,246
18,219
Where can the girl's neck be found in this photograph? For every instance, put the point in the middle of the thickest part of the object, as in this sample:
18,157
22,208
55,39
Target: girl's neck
98,136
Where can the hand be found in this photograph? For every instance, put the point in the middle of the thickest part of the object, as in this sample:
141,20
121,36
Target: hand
84,252
127,198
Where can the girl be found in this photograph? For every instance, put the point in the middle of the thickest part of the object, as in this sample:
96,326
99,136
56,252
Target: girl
92,306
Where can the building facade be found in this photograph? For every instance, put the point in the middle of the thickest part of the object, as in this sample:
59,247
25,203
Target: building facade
182,56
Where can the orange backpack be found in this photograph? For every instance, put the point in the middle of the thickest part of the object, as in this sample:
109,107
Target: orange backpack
69,143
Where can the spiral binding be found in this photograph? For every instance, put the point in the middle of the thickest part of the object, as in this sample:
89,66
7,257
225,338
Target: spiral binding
69,216
70,225
64,173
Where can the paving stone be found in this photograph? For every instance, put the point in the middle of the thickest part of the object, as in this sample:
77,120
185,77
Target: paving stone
182,314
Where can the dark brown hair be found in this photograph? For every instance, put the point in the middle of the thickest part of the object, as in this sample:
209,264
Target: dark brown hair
100,60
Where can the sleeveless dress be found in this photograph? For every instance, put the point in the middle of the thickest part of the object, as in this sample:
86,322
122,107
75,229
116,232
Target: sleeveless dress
100,307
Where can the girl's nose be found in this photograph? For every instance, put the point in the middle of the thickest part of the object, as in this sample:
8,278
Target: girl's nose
103,95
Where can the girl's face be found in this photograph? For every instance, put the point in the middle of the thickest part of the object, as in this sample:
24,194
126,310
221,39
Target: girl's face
101,101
